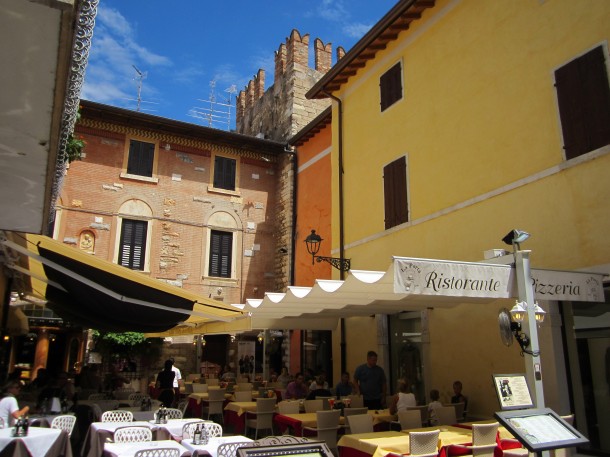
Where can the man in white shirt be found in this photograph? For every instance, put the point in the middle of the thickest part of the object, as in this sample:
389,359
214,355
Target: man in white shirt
177,378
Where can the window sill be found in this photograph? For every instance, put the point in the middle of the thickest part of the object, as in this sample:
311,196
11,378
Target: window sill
139,178
216,190
218,281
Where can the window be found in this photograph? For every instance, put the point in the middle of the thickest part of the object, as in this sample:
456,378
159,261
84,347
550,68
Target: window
133,244
221,245
141,158
395,193
583,96
390,86
224,173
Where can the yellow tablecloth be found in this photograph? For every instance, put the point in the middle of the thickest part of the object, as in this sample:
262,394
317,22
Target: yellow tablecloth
379,444
205,396
240,407
382,415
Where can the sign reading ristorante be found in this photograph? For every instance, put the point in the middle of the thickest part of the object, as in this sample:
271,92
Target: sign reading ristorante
463,279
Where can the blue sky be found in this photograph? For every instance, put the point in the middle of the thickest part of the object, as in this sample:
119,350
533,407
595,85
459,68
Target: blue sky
182,45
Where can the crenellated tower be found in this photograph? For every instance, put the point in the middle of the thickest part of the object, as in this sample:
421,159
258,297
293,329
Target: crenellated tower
283,110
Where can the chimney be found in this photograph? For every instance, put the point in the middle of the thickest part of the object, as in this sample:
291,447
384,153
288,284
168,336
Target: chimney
323,55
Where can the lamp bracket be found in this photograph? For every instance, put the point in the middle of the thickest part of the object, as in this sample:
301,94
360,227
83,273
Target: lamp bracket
338,263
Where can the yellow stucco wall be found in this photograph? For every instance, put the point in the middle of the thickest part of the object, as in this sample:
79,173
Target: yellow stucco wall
480,128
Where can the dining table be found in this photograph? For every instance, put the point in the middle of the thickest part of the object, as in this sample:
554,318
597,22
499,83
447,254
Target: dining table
380,444
296,423
211,447
100,432
39,442
138,414
130,449
172,430
505,439
235,415
196,400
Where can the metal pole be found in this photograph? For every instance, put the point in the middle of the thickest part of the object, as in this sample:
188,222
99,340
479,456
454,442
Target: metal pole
526,294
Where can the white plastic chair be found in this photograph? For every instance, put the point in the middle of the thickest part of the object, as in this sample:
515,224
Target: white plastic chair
117,416
136,398
289,407
214,429
356,401
243,395
360,423
483,440
407,419
132,435
243,386
313,406
216,399
158,452
65,422
445,415
423,444
327,426
200,388
171,413
230,449
352,412
262,419
188,429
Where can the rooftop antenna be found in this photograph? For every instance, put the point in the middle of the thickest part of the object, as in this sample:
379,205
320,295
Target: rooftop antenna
217,112
139,78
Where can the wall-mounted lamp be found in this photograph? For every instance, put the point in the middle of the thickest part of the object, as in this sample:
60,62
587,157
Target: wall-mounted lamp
313,242
203,341
519,311
232,338
260,337
515,237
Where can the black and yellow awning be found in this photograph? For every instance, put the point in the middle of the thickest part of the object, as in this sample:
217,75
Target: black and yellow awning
92,292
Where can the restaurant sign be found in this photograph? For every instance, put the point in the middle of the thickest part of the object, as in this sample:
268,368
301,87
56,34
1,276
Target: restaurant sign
479,280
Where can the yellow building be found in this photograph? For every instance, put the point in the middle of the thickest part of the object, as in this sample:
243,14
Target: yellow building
455,122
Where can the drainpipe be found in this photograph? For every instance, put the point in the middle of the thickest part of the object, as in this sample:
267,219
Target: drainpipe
293,156
341,234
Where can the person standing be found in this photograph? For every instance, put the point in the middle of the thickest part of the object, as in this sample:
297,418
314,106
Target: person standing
9,409
165,384
371,382
177,379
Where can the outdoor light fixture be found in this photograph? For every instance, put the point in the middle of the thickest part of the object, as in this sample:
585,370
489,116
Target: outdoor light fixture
203,341
232,338
313,242
515,237
260,337
518,311
540,313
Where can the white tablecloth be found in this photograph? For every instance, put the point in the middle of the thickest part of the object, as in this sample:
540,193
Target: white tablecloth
212,446
173,428
38,441
129,449
99,431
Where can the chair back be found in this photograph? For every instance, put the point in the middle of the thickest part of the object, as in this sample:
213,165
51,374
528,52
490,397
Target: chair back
423,443
423,412
214,429
282,439
189,428
325,404
243,386
216,395
289,407
192,377
170,413
212,381
328,425
136,398
132,435
312,406
409,418
200,388
459,410
360,423
356,401
243,395
445,415
158,452
96,397
230,449
182,405
117,416
265,405
65,422
484,433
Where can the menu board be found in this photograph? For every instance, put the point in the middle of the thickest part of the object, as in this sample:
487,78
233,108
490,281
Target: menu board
540,429
513,391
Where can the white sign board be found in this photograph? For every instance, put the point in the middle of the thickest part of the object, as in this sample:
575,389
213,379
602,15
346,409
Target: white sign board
480,280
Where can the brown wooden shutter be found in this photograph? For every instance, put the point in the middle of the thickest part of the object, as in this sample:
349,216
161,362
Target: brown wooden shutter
390,86
133,244
583,96
141,158
395,193
221,246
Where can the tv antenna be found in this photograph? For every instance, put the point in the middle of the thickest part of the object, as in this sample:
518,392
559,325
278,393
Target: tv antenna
141,76
215,112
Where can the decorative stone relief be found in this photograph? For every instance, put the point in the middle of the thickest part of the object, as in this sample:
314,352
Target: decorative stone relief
100,226
169,201
77,203
87,241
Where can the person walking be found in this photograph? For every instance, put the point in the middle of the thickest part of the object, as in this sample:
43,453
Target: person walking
165,384
370,382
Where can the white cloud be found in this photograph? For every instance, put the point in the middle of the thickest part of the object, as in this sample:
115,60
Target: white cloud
356,30
110,76
332,10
